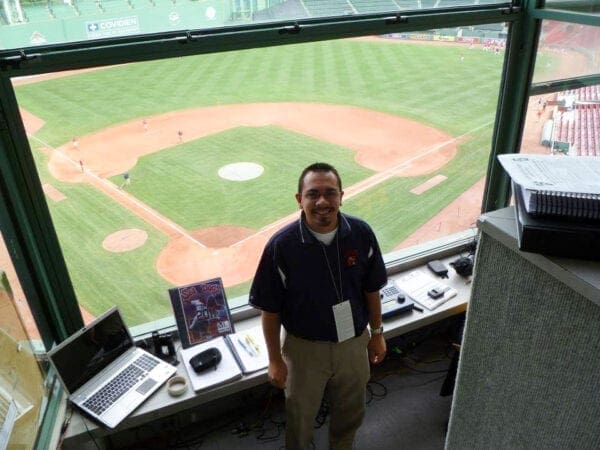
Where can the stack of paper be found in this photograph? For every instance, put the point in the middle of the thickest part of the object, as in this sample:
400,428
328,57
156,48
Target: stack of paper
556,186
557,203
418,284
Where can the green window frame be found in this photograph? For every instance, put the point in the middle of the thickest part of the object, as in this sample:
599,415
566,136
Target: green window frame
25,219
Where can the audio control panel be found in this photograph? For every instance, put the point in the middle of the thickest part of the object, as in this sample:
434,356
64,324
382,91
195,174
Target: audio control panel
394,301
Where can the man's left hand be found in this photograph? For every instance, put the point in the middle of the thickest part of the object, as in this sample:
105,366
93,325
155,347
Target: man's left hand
377,348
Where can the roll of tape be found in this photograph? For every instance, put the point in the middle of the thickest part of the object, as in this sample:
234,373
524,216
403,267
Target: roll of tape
177,386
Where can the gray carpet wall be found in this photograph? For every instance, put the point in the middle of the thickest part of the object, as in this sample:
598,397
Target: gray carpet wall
529,369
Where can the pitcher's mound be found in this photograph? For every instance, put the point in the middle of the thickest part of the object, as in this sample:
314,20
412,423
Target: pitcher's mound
241,171
125,240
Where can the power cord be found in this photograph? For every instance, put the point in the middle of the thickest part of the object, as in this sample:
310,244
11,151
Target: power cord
83,419
65,426
371,391
464,264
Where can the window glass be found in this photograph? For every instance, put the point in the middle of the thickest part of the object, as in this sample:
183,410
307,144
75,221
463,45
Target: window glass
43,22
22,391
567,50
564,123
165,173
592,7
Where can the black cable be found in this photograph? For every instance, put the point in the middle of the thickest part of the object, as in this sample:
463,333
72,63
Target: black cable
196,441
89,432
426,371
279,428
371,391
463,266
266,416
430,381
65,426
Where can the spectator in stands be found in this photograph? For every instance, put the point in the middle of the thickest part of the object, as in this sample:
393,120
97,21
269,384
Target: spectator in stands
320,277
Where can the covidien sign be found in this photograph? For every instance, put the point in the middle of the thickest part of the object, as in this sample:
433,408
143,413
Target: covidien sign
121,26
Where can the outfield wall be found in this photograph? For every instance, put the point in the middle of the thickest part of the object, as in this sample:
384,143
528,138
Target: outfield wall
96,25
53,23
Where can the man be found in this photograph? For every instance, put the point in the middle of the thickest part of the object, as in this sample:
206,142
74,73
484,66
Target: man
126,180
320,277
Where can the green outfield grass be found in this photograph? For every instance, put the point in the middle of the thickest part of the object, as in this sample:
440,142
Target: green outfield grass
425,83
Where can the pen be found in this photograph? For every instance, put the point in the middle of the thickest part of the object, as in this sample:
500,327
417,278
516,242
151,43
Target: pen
245,347
250,340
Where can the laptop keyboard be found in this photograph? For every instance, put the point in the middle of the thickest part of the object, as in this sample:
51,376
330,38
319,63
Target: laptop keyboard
119,385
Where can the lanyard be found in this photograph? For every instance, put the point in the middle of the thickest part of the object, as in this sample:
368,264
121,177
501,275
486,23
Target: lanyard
339,293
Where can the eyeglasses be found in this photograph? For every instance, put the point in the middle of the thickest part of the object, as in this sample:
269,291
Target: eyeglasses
328,194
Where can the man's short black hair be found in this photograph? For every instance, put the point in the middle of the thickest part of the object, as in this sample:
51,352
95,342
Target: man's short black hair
319,167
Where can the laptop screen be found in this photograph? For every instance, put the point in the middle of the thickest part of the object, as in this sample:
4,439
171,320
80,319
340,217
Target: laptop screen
84,354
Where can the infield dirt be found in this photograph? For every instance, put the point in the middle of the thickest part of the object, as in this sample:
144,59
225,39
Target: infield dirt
387,144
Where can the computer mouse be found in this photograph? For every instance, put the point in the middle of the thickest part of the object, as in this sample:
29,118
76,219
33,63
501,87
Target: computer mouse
205,360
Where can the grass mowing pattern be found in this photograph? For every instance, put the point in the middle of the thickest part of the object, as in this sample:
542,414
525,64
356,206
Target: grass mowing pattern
161,177
395,213
425,83
101,278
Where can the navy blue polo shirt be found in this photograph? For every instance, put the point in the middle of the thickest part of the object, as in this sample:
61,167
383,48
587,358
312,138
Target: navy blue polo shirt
294,279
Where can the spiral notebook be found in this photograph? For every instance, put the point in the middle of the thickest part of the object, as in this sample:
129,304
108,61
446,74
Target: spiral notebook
555,235
249,349
567,205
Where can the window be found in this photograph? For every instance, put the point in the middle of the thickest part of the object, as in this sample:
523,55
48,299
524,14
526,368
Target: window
566,120
567,50
42,23
22,391
52,237
164,173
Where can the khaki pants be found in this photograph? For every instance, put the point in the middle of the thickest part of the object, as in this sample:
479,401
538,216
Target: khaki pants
313,365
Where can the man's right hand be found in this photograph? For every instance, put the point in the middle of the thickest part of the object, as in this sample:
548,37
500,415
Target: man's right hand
278,373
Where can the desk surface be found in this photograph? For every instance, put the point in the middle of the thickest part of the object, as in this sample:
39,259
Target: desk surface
583,276
161,404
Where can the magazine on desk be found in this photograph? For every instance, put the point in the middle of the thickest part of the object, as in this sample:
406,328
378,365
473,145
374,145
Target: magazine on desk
201,311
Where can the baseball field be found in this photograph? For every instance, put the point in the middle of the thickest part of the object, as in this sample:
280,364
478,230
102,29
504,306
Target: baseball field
407,125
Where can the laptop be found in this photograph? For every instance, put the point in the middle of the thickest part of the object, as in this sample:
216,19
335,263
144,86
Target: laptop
104,373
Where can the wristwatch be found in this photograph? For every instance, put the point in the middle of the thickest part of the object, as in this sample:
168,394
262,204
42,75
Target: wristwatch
378,330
